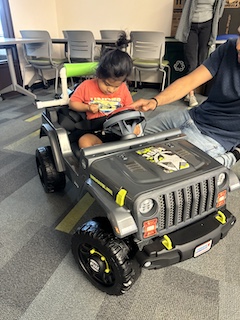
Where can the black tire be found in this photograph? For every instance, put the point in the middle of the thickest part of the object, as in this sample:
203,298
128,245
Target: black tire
51,179
104,259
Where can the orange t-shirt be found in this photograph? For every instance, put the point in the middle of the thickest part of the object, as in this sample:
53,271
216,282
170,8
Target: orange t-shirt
89,92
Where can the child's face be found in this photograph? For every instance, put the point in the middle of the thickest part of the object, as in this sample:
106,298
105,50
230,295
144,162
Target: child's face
109,86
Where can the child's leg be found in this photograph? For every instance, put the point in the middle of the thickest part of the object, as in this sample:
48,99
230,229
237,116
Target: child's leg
138,130
88,140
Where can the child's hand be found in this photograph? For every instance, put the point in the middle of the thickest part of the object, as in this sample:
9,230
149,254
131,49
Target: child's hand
94,108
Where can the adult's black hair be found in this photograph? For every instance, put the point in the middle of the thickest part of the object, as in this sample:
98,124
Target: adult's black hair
115,63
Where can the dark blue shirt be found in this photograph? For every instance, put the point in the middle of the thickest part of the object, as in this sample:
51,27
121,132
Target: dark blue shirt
219,115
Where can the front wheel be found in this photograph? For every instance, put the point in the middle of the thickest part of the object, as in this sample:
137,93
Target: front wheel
104,259
51,179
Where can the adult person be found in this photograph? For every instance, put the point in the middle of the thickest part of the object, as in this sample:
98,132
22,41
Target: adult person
213,126
197,29
105,93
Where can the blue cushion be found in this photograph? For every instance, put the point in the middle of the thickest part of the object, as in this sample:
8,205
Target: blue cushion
227,36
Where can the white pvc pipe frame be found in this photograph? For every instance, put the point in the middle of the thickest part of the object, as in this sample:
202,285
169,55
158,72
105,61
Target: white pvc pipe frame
64,96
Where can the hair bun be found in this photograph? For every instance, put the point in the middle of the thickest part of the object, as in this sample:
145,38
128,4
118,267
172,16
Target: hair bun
122,41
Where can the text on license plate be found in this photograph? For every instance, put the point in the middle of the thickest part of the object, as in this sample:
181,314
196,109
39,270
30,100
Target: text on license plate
202,248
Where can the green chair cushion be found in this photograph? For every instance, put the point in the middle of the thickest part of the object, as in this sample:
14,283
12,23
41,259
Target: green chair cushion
146,63
41,61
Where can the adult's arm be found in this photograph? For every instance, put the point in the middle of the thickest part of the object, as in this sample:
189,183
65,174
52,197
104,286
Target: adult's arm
177,90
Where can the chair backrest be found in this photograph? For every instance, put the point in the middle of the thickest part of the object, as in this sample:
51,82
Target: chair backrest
110,34
147,45
81,44
37,50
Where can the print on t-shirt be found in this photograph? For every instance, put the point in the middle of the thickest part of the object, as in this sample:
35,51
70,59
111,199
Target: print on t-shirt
106,105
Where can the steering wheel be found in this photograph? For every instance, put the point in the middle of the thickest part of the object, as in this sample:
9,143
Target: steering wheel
122,122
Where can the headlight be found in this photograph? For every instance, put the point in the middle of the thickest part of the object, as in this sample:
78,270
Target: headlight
221,179
146,206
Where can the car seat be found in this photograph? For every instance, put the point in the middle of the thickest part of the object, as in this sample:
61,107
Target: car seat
76,125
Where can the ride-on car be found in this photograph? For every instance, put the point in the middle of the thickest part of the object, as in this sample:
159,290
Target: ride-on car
162,199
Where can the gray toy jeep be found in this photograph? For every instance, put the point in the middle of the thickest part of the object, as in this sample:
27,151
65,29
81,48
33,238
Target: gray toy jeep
163,200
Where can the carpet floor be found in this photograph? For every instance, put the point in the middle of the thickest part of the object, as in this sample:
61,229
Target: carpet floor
39,278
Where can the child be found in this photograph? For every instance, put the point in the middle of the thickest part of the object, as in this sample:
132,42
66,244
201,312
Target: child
104,94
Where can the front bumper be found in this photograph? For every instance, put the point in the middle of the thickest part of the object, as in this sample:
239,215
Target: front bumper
188,242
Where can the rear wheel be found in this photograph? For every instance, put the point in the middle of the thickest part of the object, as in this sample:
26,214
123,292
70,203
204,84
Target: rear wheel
105,260
51,179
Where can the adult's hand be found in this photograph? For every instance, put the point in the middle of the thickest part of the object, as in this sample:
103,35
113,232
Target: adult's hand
144,105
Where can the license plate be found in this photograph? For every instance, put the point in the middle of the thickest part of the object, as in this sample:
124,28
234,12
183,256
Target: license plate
202,248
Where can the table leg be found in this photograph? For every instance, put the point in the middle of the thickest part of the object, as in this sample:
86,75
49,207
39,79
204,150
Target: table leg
15,86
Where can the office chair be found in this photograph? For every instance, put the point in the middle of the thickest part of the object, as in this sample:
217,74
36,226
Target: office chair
81,45
39,55
113,35
147,52
110,34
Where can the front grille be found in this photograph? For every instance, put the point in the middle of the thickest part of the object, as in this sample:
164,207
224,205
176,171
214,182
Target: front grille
183,204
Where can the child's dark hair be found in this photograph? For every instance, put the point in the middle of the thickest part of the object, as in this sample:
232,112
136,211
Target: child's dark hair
115,63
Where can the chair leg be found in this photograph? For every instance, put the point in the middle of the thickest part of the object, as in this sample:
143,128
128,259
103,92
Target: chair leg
45,82
72,82
169,74
140,79
135,79
34,78
163,80
24,74
56,81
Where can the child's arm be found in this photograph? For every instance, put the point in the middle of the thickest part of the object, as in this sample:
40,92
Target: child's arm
83,107
78,101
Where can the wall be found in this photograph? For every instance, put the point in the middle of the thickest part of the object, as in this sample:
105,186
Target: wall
127,14
32,14
57,15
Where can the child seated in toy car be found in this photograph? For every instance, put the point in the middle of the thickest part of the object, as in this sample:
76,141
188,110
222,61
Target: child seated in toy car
100,96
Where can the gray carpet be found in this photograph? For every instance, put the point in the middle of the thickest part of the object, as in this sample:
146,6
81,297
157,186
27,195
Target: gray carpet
39,278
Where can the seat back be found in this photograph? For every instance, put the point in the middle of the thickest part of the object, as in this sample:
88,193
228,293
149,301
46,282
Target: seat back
81,44
147,51
110,34
37,50
147,45
39,55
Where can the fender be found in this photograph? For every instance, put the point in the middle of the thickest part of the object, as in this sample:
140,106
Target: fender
120,218
54,139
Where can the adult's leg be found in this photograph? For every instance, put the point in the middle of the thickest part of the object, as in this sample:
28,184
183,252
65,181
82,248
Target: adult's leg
166,120
208,145
182,120
191,59
203,39
190,49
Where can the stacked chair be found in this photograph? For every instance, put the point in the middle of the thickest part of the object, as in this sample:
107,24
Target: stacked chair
40,56
80,45
147,51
